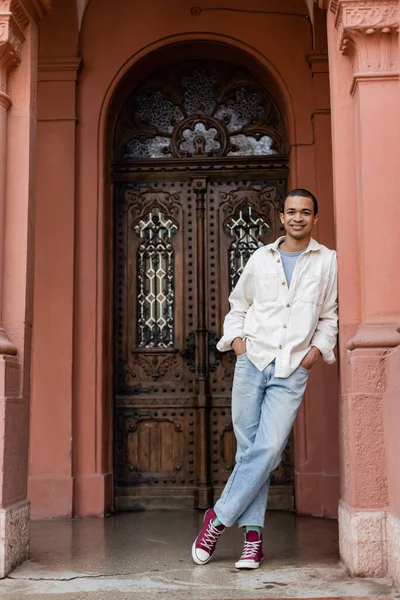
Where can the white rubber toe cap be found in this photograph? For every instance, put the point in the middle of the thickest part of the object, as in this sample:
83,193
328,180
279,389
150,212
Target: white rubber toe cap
200,556
247,564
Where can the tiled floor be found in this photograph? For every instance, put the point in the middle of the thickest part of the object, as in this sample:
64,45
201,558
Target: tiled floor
147,556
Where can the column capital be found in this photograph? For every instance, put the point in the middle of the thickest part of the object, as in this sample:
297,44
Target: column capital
368,34
13,22
59,69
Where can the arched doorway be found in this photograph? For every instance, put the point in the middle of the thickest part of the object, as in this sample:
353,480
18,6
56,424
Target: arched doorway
200,166
80,481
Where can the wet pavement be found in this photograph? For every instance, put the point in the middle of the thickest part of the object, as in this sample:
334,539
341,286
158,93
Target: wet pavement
146,555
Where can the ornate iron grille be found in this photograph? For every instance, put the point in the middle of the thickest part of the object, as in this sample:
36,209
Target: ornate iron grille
247,227
155,280
199,110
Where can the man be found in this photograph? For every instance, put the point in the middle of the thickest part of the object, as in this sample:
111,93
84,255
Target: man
283,318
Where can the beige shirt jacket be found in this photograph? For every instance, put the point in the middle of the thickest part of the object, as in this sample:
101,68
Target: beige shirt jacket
280,323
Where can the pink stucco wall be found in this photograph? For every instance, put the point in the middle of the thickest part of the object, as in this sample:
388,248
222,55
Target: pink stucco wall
18,70
18,254
365,191
392,428
71,467
65,264
364,84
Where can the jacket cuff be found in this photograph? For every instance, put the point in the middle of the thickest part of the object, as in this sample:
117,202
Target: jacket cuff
326,352
225,343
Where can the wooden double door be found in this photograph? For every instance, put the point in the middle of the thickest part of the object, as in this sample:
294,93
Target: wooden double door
180,246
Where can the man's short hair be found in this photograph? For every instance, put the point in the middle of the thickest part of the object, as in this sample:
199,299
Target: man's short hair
303,194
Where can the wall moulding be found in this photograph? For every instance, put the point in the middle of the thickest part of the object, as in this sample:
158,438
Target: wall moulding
318,61
368,33
376,335
59,69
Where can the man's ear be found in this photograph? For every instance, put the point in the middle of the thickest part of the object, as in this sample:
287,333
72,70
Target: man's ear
281,218
316,219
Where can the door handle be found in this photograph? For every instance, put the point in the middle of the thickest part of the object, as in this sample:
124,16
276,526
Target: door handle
214,355
189,353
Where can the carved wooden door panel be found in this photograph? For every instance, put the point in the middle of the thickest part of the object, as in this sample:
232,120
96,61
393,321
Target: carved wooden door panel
155,312
180,247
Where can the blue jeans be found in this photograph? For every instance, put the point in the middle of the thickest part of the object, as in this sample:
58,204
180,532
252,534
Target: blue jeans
263,411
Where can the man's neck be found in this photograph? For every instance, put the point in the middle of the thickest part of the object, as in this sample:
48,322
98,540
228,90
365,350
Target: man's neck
292,245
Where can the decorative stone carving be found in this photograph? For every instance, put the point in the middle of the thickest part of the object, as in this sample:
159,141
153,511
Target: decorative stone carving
368,33
5,100
13,21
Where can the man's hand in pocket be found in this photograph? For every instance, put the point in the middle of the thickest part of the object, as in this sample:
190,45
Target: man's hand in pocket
311,358
239,346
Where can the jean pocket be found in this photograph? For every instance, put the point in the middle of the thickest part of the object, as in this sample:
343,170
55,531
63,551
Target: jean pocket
304,369
239,356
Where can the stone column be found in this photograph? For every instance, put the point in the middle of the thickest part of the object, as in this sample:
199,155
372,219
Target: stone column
15,129
11,40
366,128
14,507
316,428
51,456
392,427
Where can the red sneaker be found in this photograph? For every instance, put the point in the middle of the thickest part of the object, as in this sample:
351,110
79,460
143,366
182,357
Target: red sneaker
252,554
204,545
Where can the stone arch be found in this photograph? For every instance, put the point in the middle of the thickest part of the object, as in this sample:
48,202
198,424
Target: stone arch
86,291
148,60
197,46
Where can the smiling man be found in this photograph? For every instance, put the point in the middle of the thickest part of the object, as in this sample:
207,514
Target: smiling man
283,318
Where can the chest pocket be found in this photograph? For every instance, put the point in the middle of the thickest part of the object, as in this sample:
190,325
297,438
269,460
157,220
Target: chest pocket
266,288
311,289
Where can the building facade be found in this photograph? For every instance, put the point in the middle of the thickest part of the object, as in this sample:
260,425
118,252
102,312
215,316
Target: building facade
144,149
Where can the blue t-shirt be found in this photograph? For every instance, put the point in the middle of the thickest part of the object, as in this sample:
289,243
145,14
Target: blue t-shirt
289,260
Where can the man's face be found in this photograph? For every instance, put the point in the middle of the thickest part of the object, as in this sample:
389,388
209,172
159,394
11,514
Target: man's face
298,217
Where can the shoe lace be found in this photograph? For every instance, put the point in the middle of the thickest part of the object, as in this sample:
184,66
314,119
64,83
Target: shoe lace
210,536
250,549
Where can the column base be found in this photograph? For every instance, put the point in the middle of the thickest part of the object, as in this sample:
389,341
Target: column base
393,547
317,494
51,497
93,495
14,536
362,541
